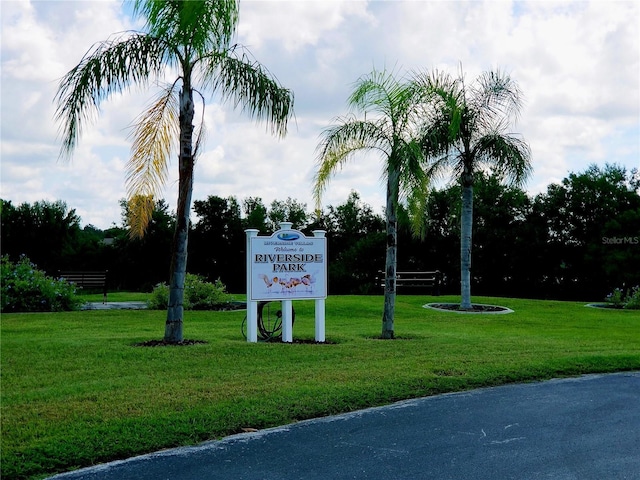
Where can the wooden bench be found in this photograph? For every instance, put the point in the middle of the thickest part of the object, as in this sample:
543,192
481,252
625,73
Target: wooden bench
96,280
416,280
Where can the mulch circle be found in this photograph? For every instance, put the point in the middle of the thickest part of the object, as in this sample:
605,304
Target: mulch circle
475,308
162,343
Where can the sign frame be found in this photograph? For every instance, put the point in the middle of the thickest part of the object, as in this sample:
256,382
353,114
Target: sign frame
286,266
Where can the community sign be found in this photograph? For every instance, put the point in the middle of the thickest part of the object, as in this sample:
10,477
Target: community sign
287,266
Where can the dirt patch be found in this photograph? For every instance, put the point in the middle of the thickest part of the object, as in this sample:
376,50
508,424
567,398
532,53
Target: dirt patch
230,306
162,343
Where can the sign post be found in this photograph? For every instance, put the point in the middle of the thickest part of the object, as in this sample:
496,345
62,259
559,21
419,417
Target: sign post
286,266
252,307
320,330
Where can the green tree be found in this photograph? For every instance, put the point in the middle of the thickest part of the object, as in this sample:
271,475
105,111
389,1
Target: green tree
216,235
441,248
353,219
388,128
141,263
592,222
193,38
289,210
501,234
466,130
255,214
47,232
356,246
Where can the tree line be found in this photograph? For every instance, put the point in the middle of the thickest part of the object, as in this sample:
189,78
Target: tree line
577,241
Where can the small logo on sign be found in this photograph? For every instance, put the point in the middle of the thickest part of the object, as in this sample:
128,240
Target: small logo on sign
288,237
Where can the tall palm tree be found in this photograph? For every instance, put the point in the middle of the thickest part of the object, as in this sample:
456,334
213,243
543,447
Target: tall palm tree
389,128
194,39
466,131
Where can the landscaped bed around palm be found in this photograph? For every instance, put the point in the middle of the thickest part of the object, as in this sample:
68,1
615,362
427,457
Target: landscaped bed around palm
76,391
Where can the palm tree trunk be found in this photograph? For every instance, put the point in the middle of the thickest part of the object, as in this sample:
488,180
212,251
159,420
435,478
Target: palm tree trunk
175,311
392,254
466,224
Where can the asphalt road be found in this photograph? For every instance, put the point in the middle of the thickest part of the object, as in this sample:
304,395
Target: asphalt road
571,429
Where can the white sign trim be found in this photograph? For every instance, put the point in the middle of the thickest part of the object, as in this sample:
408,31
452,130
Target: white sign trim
287,266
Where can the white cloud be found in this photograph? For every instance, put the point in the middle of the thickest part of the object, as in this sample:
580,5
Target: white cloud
28,43
578,64
296,24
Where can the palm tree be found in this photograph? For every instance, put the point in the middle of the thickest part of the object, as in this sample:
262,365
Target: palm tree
389,128
192,38
466,131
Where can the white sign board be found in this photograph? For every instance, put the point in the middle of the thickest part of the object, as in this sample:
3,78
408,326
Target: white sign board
287,266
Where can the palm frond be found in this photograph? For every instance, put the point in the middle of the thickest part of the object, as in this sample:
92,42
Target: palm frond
463,127
110,67
154,135
497,93
340,143
198,26
435,136
445,108
375,92
437,139
381,94
507,155
435,85
200,132
409,161
246,84
139,212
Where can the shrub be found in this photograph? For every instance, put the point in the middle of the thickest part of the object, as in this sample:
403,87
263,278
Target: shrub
27,289
615,298
159,299
198,294
630,300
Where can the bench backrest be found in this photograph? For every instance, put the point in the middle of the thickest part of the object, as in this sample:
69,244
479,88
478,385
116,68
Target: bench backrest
425,280
89,279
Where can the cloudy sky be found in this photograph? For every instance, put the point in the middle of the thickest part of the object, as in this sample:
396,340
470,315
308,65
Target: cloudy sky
578,64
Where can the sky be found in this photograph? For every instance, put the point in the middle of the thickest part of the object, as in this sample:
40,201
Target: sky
577,64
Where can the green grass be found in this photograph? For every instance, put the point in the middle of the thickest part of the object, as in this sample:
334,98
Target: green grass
75,392
115,296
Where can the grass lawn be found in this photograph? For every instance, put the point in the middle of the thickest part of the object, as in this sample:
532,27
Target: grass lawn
75,391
